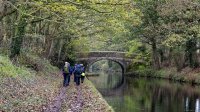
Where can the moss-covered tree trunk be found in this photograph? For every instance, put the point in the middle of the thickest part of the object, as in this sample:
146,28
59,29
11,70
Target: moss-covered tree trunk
17,40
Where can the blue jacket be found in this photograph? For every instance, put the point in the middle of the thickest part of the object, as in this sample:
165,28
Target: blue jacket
78,69
71,70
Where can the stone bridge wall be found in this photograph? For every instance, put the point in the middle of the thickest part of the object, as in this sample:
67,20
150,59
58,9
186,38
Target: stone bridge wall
91,57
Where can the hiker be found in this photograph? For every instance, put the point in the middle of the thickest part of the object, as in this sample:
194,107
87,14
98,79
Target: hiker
83,73
66,74
71,71
77,73
74,73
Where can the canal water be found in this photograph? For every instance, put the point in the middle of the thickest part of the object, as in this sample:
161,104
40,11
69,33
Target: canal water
131,94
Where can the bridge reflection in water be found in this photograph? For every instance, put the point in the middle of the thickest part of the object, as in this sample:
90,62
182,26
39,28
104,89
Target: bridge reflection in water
107,81
143,94
105,75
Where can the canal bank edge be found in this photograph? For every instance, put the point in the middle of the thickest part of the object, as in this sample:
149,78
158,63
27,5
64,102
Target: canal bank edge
187,75
99,97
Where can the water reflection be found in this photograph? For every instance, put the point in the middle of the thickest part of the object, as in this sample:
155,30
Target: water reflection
108,74
150,95
107,81
141,94
197,106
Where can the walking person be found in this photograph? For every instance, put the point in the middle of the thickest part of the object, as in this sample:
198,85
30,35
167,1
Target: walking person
74,73
71,71
66,74
77,73
83,73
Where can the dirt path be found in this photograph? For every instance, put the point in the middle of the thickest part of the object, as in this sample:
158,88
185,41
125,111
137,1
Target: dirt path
83,98
75,99
56,104
77,102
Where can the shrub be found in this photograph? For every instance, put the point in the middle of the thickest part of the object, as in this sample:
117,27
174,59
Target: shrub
8,69
37,63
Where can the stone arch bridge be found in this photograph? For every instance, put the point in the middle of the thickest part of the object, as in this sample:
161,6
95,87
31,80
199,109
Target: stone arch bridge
88,58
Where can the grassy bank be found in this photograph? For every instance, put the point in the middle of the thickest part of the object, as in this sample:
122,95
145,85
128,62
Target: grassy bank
187,75
31,84
23,88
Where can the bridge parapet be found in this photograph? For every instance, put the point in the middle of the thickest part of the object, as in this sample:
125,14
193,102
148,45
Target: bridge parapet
104,54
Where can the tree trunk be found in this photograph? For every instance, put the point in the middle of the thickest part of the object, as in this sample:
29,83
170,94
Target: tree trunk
155,57
179,58
191,49
18,39
1,22
60,49
51,48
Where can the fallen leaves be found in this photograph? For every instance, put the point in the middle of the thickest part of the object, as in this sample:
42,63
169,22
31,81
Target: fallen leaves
84,98
21,95
42,93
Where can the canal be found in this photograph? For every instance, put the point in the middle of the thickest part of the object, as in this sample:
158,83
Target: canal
130,94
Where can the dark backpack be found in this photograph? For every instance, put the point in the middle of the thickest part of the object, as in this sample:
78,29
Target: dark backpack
78,70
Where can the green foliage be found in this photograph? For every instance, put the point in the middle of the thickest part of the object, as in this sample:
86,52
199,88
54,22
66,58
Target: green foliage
142,55
36,63
57,29
7,69
80,25
174,40
134,46
80,44
146,72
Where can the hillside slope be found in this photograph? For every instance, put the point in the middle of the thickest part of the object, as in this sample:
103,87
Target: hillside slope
36,86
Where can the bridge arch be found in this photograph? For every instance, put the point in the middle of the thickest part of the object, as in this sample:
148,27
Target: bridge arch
104,58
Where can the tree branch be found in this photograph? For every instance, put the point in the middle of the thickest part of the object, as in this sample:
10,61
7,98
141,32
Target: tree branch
7,14
39,20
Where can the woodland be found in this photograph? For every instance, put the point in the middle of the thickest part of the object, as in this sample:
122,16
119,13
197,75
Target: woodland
162,32
36,34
